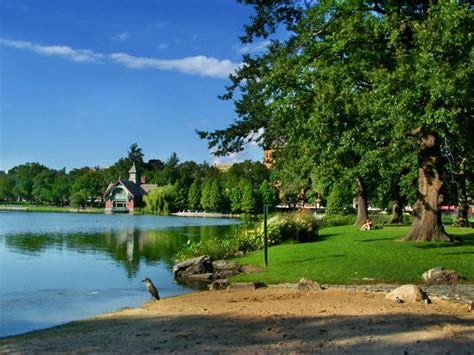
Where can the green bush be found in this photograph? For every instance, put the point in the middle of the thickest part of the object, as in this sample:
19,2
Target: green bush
299,226
244,239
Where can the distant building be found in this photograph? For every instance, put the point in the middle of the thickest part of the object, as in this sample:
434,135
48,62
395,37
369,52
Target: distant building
125,195
223,166
267,157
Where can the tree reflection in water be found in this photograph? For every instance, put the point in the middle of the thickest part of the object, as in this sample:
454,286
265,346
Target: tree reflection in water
128,247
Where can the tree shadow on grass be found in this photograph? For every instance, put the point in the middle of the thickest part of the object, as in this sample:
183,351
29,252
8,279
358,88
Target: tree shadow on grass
324,237
459,253
376,240
224,333
439,245
315,258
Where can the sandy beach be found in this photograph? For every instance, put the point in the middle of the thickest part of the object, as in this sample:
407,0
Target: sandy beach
263,321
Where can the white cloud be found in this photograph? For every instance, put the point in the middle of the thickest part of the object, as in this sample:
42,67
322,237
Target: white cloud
196,65
199,65
254,138
76,55
251,152
162,46
121,37
252,47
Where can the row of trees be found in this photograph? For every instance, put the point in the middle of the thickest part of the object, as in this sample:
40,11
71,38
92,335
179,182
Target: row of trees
212,194
374,97
244,187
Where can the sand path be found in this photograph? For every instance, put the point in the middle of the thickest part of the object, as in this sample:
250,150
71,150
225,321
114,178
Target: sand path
264,321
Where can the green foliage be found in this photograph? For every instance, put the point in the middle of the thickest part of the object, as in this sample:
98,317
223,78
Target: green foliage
234,196
194,195
6,187
91,181
180,201
245,238
339,201
297,226
212,198
78,199
339,95
249,199
160,200
268,195
338,220
23,176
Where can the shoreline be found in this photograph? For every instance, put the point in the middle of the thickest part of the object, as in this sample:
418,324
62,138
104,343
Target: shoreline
50,209
205,214
268,319
14,208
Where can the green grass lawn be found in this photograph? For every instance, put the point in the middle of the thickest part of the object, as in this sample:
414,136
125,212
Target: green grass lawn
345,255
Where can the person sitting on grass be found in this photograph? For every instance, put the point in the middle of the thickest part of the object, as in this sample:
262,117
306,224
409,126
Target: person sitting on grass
368,225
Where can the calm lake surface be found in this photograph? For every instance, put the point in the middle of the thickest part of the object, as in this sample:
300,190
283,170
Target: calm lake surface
59,267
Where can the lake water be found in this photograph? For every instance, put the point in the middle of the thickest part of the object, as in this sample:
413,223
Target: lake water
59,267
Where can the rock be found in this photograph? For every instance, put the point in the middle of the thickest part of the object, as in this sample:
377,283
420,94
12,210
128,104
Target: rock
194,266
308,285
239,253
220,284
440,276
406,293
225,274
244,286
219,264
201,277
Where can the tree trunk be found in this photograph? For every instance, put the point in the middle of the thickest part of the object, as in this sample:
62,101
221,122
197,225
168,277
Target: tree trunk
427,225
462,219
362,212
397,211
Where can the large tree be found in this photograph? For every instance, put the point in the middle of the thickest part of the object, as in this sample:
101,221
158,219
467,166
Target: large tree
350,78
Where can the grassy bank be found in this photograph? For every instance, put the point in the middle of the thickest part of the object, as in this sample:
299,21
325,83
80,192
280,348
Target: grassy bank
345,255
49,209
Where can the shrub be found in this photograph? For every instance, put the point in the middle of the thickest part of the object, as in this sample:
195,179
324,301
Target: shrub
299,226
245,238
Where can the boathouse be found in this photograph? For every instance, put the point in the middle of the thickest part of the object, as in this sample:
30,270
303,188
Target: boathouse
124,195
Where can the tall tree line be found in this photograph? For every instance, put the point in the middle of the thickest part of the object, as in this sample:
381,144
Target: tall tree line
244,187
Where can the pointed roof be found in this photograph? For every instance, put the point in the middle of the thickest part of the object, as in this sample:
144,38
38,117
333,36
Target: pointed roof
130,186
133,169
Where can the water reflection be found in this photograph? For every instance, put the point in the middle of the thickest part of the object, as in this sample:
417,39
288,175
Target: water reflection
127,247
56,268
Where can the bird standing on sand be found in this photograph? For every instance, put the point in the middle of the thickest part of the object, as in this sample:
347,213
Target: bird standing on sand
152,289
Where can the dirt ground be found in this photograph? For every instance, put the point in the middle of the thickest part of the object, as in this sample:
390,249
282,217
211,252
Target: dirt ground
264,321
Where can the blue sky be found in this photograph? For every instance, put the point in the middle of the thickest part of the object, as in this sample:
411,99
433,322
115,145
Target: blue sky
82,80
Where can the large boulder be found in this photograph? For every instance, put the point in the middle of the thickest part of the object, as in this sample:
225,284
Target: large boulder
440,276
194,266
406,293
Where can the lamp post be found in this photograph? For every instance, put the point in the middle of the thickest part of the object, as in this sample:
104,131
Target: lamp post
265,236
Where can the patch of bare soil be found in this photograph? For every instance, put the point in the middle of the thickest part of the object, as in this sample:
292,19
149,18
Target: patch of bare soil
262,321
